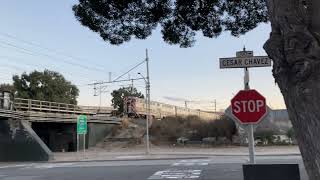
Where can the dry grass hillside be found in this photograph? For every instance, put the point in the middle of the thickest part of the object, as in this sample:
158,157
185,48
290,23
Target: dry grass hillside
168,131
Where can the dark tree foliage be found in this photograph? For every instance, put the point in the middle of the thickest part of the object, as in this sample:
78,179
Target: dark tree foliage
119,95
45,86
7,87
117,21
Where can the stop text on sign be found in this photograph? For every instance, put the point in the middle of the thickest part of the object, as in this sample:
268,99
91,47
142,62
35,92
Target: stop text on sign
248,106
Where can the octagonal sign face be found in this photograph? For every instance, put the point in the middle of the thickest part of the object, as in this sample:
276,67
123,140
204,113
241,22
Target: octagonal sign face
249,106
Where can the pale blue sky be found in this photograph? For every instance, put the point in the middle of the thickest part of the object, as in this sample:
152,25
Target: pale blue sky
191,73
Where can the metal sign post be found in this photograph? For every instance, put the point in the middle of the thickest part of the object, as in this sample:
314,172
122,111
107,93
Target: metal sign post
84,145
249,127
251,144
245,59
82,130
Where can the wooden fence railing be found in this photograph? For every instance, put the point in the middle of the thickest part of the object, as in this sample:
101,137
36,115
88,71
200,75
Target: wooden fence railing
47,106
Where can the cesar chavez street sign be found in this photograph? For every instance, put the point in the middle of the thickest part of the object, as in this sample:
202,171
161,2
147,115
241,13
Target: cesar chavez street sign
245,59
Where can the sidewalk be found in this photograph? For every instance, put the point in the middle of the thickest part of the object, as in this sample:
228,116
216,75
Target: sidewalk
171,153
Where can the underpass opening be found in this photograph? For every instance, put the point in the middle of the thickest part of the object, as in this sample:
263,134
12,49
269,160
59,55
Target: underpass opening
59,137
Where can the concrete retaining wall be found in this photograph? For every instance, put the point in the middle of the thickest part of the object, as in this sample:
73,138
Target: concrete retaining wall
97,132
18,142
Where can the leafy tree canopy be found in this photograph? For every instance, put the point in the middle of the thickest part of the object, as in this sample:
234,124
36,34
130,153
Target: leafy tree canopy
119,95
46,86
117,21
7,87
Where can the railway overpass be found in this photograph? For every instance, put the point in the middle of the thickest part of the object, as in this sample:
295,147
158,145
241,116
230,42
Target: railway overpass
32,129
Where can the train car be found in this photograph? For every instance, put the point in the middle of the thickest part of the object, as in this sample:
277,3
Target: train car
135,107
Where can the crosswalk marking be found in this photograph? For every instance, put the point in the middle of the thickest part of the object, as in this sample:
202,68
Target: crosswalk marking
176,174
129,157
192,162
182,173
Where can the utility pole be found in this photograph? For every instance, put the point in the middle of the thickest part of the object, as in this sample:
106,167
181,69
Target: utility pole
148,100
100,96
110,73
215,105
131,86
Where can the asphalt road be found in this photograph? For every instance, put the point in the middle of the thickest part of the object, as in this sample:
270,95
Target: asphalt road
211,168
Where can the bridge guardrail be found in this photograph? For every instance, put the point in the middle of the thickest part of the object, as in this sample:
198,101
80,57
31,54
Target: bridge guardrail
46,111
48,106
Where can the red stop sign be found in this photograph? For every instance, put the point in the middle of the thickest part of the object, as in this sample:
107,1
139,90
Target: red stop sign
248,106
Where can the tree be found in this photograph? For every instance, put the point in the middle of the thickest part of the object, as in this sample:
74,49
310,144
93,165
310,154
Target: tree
119,95
45,86
294,44
7,87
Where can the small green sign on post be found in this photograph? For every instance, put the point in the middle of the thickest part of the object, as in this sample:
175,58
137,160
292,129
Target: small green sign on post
82,124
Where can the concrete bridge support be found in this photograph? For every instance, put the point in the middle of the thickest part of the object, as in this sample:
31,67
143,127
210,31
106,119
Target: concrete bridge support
97,132
62,137
18,142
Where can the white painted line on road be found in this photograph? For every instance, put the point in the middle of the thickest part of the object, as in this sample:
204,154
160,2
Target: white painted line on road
176,174
192,162
49,165
14,166
129,157
25,177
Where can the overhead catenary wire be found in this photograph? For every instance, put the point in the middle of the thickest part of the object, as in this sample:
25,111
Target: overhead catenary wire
49,49
33,53
124,80
84,76
122,75
129,70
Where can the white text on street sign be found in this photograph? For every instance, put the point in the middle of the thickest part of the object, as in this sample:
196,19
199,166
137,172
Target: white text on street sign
82,124
243,62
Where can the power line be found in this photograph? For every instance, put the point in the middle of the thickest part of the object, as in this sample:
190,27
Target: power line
13,67
124,80
130,70
37,65
48,49
117,78
30,52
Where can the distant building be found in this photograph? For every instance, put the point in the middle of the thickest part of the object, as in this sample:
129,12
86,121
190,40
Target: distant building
278,122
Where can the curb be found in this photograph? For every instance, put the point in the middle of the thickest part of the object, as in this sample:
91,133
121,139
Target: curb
142,159
188,156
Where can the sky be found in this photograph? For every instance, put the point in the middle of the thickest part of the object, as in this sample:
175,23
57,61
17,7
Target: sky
43,34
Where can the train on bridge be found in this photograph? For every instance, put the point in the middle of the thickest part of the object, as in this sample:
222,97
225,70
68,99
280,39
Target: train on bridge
135,107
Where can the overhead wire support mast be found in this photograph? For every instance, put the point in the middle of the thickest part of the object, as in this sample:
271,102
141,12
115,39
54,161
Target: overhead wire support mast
147,99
